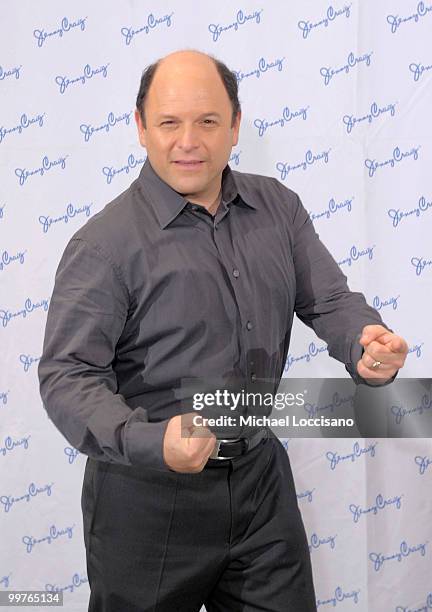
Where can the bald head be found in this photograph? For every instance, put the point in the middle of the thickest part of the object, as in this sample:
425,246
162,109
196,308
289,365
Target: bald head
184,59
188,64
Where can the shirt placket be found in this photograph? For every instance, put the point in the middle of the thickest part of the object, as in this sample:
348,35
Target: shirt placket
236,276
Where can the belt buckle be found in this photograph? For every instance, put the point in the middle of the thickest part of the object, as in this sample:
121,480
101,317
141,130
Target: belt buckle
215,452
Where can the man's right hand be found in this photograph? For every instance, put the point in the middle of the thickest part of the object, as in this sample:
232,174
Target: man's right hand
187,447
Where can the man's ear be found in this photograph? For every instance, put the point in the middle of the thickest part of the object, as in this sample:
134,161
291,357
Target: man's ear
236,129
140,127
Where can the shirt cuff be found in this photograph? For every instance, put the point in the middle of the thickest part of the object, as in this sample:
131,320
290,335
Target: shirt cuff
144,441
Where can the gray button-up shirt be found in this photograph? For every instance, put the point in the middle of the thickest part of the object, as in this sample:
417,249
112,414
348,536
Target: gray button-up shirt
153,289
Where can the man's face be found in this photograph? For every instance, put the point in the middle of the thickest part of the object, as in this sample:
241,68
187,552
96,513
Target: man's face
189,132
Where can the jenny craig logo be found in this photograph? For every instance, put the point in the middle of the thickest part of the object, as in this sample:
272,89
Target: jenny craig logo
418,70
333,207
262,67
355,254
5,72
374,111
395,21
53,534
316,542
379,303
241,19
24,123
6,316
397,215
152,23
397,156
379,504
423,463
400,412
312,352
71,453
76,582
132,162
6,259
88,130
65,26
339,596
27,361
424,607
306,27
307,494
352,61
32,491
10,445
23,174
420,264
337,401
378,559
235,157
285,117
310,159
71,212
88,73
417,349
334,458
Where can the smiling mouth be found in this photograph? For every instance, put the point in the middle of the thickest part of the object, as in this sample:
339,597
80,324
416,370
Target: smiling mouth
188,164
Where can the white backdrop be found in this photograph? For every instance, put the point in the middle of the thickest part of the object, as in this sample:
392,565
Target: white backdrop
336,104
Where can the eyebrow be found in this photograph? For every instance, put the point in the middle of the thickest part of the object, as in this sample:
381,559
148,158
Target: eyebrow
210,114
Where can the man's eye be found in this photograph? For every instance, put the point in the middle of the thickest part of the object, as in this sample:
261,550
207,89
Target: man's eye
168,122
209,121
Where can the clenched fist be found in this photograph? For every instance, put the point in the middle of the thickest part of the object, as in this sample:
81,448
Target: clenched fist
384,353
187,447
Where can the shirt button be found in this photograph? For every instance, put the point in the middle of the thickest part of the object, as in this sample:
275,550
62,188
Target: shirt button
194,207
249,325
236,273
253,377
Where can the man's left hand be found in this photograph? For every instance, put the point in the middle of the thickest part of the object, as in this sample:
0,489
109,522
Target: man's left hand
384,353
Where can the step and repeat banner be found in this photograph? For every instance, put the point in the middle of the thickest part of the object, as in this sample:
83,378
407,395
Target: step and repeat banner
336,103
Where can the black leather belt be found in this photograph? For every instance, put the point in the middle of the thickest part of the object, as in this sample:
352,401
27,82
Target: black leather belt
228,449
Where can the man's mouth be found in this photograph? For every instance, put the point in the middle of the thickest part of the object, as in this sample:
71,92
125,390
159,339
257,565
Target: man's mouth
193,163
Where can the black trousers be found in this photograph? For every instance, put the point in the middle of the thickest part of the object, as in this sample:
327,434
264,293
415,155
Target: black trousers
230,537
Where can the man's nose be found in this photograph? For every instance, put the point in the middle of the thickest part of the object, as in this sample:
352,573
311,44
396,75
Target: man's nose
188,138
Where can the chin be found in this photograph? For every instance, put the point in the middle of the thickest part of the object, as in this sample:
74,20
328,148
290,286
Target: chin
185,187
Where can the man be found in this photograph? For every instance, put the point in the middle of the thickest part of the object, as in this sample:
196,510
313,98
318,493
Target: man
194,272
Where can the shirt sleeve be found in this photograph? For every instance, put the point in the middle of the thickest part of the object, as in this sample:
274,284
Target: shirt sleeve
324,301
87,313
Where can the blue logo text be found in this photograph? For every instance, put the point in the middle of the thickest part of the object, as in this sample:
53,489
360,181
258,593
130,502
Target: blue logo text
309,160
307,26
241,18
152,23
65,26
334,458
23,124
352,61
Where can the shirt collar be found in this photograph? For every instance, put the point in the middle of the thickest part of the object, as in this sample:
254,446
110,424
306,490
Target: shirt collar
168,204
